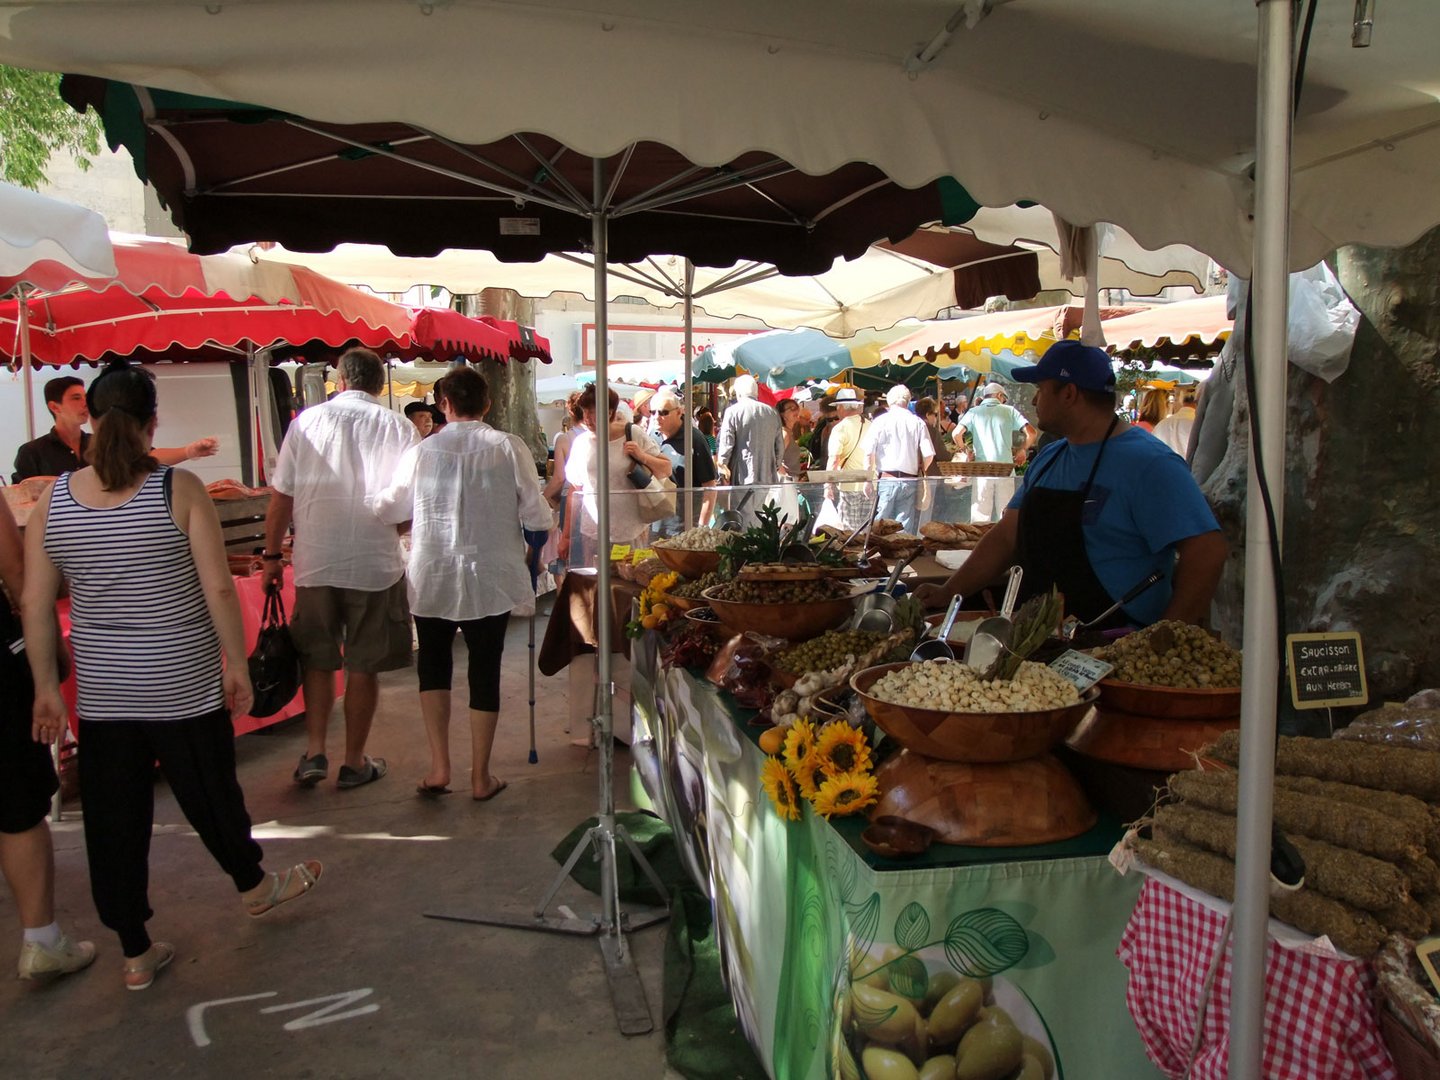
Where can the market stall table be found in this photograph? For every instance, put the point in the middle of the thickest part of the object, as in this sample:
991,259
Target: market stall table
794,900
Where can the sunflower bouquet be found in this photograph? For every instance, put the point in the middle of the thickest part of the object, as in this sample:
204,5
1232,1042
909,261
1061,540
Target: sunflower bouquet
655,608
828,767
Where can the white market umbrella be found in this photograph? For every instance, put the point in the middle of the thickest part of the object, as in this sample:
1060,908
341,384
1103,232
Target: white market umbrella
47,244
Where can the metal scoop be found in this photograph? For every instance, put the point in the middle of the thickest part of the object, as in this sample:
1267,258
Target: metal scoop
992,635
876,611
1072,626
939,648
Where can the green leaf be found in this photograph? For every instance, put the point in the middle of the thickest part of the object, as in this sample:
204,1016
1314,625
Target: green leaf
864,922
1040,954
912,927
984,942
908,977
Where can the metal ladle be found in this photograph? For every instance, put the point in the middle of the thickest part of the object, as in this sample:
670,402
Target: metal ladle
1072,626
939,648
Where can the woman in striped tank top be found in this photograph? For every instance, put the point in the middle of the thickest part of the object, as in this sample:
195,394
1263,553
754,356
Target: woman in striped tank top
152,609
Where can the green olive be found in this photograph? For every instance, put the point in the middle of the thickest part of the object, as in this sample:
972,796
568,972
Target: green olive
883,1016
955,1012
1030,1069
940,1067
883,1064
941,983
876,967
993,1014
988,1051
1034,1048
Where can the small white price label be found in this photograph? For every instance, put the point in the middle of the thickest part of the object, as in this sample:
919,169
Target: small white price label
1081,669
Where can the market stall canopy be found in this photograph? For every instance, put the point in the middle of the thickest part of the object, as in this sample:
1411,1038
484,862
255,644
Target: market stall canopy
914,83
221,166
782,359
971,341
1124,263
929,271
444,334
48,244
164,301
1203,322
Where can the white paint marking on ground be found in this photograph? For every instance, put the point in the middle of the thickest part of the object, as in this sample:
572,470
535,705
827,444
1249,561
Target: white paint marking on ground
327,1015
195,1015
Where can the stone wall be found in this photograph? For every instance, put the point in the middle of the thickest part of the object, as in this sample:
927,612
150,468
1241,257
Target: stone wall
1362,495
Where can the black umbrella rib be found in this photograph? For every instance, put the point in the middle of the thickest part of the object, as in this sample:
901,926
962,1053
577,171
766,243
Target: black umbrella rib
527,186
717,181
439,170
279,170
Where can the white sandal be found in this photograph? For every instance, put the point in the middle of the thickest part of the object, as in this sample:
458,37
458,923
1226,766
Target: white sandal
308,873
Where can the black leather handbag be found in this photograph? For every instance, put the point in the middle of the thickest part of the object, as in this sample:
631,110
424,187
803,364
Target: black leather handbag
275,670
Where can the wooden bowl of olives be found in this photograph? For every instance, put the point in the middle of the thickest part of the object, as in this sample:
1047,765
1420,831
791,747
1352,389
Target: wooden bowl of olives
799,611
686,562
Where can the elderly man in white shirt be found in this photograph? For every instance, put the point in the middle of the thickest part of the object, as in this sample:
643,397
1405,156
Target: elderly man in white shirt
900,450
349,571
469,491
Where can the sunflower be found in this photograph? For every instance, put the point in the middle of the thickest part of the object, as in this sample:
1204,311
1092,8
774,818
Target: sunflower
848,793
780,786
809,774
842,749
799,743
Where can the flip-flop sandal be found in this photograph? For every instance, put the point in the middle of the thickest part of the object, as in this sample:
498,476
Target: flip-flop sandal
140,971
431,791
308,873
372,770
498,788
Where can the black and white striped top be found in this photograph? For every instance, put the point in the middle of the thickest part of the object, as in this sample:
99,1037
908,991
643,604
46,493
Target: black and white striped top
145,647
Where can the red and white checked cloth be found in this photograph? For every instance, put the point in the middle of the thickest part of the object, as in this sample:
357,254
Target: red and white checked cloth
1320,1022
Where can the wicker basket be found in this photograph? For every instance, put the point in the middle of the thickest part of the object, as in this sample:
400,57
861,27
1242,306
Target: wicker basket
975,468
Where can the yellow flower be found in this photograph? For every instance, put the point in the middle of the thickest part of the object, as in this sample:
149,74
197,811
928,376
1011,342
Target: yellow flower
842,749
809,773
848,793
799,743
780,786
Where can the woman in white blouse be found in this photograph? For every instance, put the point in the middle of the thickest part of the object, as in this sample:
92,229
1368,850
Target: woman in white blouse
469,491
628,444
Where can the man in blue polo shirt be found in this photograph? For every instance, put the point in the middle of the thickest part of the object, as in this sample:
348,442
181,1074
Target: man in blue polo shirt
1100,508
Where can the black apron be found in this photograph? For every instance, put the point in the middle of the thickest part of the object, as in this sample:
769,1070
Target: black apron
1052,546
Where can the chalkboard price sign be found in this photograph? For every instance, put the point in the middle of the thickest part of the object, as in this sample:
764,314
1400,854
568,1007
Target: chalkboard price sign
1326,670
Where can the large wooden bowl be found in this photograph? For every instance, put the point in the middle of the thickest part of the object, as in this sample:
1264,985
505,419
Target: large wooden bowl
793,622
969,737
685,562
1013,804
684,603
1145,742
1170,703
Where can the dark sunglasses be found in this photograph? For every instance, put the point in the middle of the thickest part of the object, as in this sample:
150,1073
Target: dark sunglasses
665,412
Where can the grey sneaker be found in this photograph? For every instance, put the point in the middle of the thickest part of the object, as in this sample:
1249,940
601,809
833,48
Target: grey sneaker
372,770
37,962
311,770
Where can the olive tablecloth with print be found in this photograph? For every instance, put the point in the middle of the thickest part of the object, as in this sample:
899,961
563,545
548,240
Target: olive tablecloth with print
801,907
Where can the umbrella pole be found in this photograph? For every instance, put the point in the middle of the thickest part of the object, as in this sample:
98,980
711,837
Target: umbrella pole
689,448
627,993
28,376
1260,678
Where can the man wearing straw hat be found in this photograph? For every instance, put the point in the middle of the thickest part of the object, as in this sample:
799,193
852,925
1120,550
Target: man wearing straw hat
845,447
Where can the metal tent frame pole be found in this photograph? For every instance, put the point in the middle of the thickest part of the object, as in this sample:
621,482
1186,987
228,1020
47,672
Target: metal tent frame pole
1269,280
627,993
689,402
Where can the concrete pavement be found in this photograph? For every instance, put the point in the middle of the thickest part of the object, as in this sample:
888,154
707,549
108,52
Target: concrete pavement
353,981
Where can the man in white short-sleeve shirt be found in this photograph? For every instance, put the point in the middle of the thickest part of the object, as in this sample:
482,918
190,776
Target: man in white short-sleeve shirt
900,449
348,567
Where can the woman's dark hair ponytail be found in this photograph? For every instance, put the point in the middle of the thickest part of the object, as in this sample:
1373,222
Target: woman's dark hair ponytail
122,407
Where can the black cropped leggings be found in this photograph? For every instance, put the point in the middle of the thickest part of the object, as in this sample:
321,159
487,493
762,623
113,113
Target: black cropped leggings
485,641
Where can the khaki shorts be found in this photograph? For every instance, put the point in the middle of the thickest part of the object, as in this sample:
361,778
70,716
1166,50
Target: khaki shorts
371,628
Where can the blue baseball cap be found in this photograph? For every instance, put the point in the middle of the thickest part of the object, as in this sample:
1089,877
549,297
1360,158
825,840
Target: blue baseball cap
1084,366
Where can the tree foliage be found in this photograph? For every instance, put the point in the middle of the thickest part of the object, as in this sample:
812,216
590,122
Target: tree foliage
35,123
